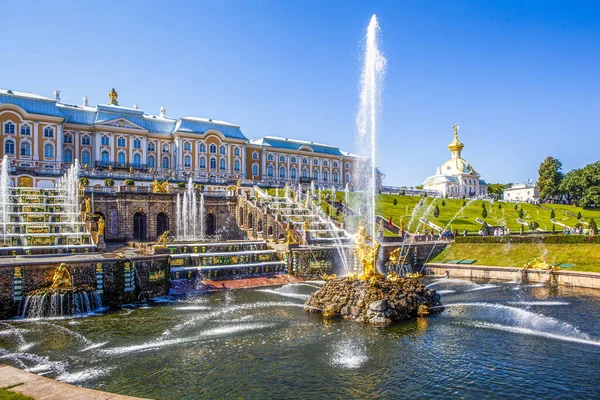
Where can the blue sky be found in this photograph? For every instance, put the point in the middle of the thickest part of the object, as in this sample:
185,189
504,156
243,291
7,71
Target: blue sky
521,78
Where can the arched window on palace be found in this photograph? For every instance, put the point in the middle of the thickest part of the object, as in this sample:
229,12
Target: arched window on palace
236,165
121,158
202,162
282,172
165,163
270,171
213,163
105,157
25,149
137,160
68,156
151,162
187,161
222,164
9,147
85,157
48,151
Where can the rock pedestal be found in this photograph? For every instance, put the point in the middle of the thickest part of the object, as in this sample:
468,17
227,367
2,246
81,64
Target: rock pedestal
381,302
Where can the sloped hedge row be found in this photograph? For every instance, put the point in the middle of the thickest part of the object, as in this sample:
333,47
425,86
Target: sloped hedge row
549,239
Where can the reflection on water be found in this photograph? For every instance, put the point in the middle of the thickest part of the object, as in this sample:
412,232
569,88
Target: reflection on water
493,339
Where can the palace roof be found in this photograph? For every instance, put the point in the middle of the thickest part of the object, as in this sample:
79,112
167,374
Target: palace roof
85,115
292,144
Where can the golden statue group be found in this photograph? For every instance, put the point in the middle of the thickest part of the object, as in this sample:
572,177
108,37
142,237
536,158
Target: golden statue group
367,252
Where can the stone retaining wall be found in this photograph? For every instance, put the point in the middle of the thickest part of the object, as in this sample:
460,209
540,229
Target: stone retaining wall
150,278
568,278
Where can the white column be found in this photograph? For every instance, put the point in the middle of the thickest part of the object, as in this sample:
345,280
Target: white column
179,145
243,151
59,140
96,147
76,139
130,140
111,154
264,164
144,150
227,157
36,133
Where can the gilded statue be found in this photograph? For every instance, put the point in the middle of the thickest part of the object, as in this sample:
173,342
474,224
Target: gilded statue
306,225
112,97
162,239
101,224
239,183
88,205
367,254
456,128
62,278
160,187
289,233
394,257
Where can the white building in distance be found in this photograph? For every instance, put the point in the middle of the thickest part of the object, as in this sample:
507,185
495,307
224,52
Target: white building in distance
522,192
456,177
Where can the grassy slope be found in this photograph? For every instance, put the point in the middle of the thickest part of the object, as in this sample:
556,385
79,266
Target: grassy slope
586,257
506,216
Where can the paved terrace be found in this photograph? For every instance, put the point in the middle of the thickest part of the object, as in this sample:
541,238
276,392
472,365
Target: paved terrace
39,387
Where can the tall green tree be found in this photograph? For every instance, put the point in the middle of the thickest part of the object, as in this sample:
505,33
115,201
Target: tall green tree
549,177
436,211
496,190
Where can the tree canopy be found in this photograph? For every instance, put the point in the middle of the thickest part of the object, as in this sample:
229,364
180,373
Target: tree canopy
549,177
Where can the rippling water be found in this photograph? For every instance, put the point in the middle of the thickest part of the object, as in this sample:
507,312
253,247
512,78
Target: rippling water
493,340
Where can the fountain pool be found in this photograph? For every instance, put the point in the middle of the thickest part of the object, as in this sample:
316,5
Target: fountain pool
493,340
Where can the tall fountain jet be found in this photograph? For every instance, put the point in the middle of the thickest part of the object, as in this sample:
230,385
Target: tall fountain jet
371,83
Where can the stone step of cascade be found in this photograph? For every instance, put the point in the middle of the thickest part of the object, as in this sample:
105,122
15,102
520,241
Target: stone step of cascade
222,271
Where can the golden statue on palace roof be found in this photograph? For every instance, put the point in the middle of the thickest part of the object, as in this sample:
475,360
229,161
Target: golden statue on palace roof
112,97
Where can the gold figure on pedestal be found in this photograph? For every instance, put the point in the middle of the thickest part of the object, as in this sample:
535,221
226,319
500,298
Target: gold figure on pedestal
88,205
290,238
101,224
367,254
62,278
112,97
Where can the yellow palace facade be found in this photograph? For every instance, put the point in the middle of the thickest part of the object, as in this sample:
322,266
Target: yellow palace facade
42,136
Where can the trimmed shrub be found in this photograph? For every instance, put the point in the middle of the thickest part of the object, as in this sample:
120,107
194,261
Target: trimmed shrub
395,202
593,226
436,211
516,206
109,182
464,203
129,182
553,228
181,185
403,193
443,203
521,213
552,214
484,213
84,181
499,206
533,225
579,215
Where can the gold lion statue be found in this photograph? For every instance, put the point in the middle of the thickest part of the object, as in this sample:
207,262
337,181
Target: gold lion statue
61,278
160,187
162,239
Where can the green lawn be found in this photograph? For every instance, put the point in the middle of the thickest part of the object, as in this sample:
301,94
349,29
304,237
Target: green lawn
465,218
586,257
8,395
